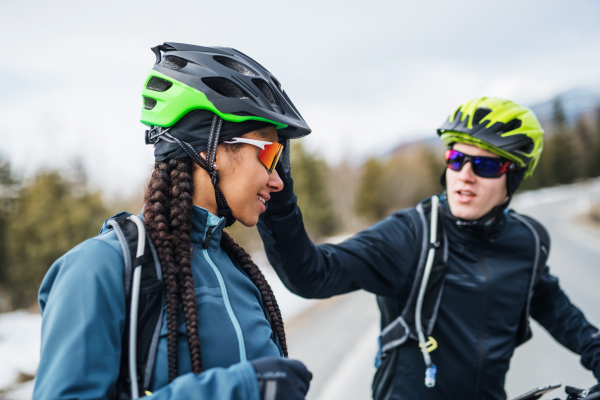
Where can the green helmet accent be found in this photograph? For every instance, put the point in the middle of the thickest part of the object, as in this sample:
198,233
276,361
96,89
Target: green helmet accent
172,104
497,125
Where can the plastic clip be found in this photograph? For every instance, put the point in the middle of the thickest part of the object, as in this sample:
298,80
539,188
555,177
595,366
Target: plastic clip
431,344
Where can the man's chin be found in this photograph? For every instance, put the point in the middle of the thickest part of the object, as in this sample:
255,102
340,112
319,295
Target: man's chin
467,213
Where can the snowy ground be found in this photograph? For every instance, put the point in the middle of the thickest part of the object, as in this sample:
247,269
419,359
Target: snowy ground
20,330
20,336
19,351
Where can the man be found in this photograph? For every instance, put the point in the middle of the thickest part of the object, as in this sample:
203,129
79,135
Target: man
489,265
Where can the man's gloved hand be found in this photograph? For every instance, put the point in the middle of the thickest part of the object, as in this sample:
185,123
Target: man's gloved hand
281,378
283,166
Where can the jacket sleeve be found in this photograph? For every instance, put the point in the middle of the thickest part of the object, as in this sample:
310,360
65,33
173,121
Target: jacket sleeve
551,307
377,259
83,310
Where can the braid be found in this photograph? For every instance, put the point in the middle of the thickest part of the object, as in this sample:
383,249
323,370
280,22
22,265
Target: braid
235,252
156,200
168,215
181,192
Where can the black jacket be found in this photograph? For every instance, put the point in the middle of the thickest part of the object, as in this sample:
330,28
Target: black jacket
489,270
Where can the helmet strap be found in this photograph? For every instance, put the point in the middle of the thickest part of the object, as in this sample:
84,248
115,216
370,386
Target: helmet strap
223,209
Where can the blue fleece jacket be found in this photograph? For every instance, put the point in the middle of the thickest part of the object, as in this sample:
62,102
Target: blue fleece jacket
82,301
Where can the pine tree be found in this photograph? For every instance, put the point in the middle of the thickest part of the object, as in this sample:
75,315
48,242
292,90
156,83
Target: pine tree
49,216
8,184
594,162
584,146
562,155
310,173
372,199
414,174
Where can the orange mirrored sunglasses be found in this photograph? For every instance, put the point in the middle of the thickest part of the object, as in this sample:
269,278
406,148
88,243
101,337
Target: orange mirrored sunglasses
268,154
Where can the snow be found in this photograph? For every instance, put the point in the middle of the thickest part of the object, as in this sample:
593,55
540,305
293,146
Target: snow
20,330
19,348
20,335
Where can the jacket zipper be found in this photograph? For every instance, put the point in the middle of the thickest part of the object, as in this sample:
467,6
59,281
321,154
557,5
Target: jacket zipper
482,321
232,317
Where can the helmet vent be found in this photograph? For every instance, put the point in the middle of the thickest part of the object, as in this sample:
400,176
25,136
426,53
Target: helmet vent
159,84
173,62
528,148
512,125
480,114
149,103
266,91
276,82
225,88
234,65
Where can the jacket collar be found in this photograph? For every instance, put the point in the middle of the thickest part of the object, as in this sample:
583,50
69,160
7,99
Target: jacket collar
206,226
485,227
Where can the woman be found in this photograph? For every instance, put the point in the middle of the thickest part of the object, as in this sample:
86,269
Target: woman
221,335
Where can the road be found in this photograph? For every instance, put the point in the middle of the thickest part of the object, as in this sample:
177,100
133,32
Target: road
337,337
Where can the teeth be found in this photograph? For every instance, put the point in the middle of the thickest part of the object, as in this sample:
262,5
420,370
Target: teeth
261,199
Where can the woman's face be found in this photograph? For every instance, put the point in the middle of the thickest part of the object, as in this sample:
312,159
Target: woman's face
470,196
244,180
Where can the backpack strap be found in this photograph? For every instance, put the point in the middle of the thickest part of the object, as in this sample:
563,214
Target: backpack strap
396,332
403,327
542,250
150,310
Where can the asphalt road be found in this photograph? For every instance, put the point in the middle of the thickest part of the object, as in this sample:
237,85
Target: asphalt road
336,338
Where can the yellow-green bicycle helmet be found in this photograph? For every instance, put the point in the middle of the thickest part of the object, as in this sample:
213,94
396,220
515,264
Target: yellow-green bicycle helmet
497,125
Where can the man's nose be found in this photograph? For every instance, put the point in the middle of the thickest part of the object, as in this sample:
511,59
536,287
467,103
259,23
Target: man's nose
466,173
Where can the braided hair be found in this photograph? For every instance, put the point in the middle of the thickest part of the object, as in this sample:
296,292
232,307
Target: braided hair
236,252
168,215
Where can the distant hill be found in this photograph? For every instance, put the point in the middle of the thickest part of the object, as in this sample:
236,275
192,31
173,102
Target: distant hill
575,102
433,142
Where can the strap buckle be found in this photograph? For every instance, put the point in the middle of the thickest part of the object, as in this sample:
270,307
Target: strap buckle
154,134
431,344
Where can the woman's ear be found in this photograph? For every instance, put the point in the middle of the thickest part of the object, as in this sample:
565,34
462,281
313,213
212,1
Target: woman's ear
225,158
203,155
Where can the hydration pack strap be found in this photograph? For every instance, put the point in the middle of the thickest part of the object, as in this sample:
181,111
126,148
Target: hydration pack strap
397,332
147,322
394,335
417,319
403,327
433,245
542,248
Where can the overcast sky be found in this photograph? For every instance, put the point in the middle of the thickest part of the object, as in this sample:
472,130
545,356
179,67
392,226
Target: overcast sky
366,75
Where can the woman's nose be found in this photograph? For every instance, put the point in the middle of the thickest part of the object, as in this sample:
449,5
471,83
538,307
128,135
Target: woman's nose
274,183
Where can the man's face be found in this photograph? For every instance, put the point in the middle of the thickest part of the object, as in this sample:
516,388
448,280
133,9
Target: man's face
470,196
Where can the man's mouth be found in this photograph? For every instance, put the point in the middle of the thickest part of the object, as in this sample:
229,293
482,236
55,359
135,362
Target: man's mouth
465,196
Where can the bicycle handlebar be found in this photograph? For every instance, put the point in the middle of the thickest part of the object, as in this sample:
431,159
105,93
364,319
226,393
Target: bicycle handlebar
573,393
